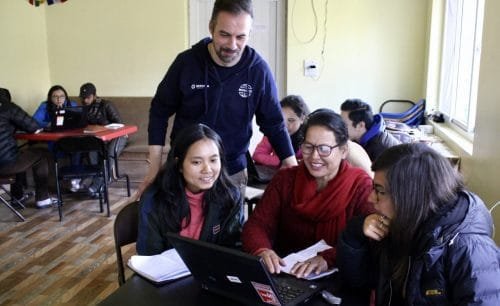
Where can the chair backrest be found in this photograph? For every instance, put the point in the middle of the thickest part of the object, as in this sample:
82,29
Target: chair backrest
413,116
125,232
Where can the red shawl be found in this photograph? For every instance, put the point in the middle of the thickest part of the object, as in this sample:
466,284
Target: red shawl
326,208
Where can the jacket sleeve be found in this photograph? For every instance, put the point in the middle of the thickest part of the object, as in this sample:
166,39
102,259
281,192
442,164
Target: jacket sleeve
23,121
354,260
260,229
269,117
165,103
150,238
265,155
474,271
233,224
41,116
112,114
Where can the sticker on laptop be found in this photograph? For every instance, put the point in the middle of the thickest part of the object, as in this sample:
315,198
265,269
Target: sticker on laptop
233,279
266,293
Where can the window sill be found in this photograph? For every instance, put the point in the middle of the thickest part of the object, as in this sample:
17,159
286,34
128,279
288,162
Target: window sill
452,138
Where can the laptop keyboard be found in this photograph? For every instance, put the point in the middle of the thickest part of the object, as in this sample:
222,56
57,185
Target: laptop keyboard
286,292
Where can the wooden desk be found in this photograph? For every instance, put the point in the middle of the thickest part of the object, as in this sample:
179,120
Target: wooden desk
187,292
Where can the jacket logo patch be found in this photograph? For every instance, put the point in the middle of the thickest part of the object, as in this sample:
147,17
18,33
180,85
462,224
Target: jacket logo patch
433,292
245,90
216,229
199,86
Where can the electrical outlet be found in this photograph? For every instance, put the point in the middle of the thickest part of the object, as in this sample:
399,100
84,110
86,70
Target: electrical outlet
311,68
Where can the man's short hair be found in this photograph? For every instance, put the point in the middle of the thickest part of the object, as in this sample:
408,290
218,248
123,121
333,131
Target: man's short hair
359,111
5,95
234,7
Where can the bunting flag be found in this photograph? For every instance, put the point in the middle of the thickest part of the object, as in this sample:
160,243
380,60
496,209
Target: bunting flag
49,2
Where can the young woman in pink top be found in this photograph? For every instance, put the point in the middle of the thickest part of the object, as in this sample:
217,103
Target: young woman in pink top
192,195
294,111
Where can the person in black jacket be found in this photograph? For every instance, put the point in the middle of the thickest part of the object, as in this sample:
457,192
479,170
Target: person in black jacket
193,195
101,112
13,118
429,242
365,128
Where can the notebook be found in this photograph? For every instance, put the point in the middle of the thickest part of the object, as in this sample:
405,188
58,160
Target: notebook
240,276
68,118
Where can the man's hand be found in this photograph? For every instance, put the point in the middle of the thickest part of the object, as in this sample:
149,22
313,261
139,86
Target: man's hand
272,261
289,162
154,166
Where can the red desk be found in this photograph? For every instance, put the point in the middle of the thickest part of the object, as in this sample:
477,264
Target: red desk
105,134
100,132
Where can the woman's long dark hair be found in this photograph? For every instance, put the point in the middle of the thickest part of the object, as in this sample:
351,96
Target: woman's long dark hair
299,107
171,196
420,183
51,107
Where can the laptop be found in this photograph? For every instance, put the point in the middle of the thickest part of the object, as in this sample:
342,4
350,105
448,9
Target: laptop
258,174
240,276
68,118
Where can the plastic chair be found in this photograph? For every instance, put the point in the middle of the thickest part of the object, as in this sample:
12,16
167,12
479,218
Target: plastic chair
413,116
82,144
125,232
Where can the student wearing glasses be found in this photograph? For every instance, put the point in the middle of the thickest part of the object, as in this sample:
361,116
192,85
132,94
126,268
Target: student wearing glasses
57,98
429,243
309,202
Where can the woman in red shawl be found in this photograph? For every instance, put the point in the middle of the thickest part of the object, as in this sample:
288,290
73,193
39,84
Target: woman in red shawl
309,202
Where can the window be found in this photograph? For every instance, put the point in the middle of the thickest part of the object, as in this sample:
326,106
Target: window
463,24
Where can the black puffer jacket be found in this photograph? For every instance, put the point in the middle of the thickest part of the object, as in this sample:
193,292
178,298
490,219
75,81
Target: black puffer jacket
221,226
103,112
12,118
454,261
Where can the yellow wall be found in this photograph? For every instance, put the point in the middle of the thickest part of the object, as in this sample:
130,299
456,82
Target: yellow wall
374,50
24,68
123,46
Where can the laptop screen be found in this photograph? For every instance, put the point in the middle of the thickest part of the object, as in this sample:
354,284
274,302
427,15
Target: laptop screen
69,118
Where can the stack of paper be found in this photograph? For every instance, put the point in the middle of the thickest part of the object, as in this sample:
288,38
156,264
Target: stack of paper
304,255
159,268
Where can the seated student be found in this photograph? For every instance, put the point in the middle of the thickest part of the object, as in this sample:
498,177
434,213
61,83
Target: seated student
192,195
429,241
57,98
12,118
365,128
101,112
309,202
294,111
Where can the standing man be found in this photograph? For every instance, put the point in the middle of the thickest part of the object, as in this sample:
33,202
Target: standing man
222,83
365,128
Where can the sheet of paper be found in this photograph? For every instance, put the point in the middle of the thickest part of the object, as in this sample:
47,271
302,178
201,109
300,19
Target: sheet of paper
304,255
159,268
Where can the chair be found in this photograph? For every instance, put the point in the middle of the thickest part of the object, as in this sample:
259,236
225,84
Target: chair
413,116
68,146
10,179
125,232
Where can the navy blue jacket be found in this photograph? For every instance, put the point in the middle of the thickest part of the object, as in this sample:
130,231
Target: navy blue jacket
454,260
194,91
377,139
